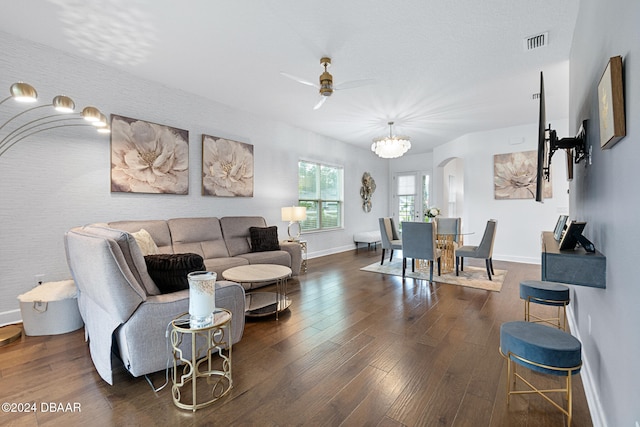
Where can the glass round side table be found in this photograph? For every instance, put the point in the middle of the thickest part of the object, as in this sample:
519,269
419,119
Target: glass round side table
204,364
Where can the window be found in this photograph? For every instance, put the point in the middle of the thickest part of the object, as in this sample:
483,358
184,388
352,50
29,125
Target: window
320,190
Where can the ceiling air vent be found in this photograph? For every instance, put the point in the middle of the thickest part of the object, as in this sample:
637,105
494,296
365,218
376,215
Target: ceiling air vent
534,42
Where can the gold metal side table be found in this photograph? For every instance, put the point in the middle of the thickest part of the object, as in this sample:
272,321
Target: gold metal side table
196,365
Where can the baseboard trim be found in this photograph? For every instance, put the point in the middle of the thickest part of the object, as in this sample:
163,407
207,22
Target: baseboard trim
10,317
591,392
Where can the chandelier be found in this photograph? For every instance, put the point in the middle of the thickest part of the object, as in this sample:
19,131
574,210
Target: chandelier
392,146
29,124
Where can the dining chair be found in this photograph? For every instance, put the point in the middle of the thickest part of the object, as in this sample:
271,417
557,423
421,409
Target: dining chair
419,242
483,250
450,226
389,236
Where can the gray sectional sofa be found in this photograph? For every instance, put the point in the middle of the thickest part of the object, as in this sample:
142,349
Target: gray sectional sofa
126,316
222,242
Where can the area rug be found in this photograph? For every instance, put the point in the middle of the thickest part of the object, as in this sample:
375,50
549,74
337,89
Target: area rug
472,277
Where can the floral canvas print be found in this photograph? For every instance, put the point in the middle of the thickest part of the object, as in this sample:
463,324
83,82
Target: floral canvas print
514,176
227,167
148,157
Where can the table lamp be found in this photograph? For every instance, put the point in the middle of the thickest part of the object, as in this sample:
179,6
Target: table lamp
294,214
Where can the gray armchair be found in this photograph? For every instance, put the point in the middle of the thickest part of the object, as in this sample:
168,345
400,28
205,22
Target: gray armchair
390,238
125,316
483,250
419,242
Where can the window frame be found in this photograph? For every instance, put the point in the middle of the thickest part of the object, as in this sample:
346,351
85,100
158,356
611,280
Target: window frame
319,201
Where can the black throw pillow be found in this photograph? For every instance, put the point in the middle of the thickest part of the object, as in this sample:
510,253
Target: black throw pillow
264,239
169,271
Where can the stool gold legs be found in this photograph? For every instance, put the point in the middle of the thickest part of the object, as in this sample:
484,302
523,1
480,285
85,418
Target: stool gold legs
553,321
513,376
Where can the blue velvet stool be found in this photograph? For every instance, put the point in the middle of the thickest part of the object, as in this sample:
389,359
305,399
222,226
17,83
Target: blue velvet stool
541,349
545,293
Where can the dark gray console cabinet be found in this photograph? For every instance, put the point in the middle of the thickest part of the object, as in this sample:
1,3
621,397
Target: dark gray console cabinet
576,267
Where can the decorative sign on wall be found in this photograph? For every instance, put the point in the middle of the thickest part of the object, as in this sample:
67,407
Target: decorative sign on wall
611,104
148,157
227,167
514,176
367,190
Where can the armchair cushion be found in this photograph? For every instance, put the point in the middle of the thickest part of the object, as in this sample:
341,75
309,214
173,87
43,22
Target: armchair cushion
169,271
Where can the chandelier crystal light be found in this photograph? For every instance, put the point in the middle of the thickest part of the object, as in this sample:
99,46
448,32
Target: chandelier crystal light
392,146
62,116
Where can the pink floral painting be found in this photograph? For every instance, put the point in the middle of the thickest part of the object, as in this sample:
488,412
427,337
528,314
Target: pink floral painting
148,157
227,167
514,176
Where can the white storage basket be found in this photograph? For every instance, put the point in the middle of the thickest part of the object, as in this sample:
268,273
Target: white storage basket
50,309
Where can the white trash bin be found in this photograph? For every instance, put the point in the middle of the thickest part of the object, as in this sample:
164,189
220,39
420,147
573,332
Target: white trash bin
51,309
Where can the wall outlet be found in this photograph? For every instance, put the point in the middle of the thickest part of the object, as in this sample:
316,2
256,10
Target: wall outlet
39,279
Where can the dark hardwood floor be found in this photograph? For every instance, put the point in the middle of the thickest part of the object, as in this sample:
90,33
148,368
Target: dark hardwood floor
355,349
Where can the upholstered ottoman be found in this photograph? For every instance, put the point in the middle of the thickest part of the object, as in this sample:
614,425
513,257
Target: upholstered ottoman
545,293
367,237
542,349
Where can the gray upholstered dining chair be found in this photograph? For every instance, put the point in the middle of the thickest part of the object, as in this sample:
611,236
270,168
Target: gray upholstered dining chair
483,250
419,242
390,237
452,226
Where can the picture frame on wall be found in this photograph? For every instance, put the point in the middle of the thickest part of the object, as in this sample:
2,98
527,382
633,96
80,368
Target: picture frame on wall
611,104
148,157
227,167
514,176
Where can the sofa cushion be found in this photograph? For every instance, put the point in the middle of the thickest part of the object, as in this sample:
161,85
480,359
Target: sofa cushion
219,265
264,239
145,242
202,236
169,271
268,257
131,252
235,230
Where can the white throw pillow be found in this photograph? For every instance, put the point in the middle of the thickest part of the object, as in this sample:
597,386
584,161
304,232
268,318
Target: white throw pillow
146,243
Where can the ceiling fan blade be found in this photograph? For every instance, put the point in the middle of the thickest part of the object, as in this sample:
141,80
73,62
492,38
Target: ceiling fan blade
354,83
299,80
320,102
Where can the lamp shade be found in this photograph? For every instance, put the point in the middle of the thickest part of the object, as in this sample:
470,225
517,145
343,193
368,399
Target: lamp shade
23,92
294,213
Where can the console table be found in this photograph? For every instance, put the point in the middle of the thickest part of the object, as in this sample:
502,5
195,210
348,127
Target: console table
577,267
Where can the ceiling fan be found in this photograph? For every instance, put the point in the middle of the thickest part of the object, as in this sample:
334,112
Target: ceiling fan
326,87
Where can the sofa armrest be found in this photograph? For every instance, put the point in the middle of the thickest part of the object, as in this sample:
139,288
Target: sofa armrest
295,251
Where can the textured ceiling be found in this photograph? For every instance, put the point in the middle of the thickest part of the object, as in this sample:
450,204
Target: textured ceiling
441,69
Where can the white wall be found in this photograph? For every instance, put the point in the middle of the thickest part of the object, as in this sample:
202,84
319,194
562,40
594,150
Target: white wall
60,179
605,194
520,222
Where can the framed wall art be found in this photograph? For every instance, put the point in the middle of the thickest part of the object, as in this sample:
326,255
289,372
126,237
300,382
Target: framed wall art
611,104
148,157
514,176
227,167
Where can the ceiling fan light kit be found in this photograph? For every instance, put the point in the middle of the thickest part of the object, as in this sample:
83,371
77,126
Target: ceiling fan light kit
326,87
392,146
326,79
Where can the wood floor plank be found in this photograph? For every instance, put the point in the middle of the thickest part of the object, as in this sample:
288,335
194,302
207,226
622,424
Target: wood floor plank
355,348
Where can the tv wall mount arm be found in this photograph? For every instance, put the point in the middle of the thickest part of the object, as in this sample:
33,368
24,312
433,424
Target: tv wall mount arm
578,144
